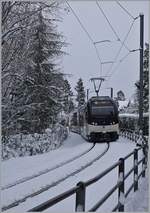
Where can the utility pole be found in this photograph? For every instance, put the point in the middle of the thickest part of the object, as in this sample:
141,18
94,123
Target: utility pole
111,92
87,94
141,71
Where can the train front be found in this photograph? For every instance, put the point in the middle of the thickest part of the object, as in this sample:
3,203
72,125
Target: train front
102,119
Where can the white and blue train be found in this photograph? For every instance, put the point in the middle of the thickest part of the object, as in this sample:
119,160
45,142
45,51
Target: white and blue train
97,120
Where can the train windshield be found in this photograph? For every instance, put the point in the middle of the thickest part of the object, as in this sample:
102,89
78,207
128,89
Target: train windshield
102,108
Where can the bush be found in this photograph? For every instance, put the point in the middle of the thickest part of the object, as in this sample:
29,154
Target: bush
32,144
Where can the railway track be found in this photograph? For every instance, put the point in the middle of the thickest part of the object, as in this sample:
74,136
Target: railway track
54,183
28,178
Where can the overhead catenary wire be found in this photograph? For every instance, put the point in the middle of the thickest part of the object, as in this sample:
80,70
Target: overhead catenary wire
89,36
122,43
124,57
131,16
118,53
79,21
112,28
120,61
98,56
118,38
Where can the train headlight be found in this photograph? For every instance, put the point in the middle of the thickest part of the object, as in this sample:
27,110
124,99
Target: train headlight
95,124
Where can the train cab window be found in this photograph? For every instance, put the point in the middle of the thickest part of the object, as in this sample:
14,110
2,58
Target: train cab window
103,110
101,103
102,107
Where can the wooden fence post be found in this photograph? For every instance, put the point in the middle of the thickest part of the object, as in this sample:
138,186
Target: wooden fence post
80,198
121,196
135,170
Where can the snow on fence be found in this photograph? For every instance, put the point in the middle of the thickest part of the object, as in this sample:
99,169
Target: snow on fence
80,188
31,144
135,136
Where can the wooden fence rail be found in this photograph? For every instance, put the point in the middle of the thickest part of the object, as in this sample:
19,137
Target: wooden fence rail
80,188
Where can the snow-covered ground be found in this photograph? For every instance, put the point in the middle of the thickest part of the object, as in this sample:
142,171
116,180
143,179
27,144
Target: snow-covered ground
19,168
41,162
139,201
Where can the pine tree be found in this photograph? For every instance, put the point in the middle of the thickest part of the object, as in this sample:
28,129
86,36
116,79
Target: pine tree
80,92
68,104
42,84
32,100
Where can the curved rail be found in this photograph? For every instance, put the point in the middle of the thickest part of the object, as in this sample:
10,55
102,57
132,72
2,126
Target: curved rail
47,187
22,180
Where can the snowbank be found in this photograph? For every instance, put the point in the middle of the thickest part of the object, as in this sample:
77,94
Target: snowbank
32,144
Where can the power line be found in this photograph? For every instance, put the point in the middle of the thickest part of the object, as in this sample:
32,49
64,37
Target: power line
80,22
116,34
124,57
121,60
131,16
107,20
89,36
115,59
118,39
98,56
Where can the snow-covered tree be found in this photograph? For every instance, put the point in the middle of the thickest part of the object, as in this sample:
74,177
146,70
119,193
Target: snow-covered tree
15,39
31,81
68,104
80,92
42,83
145,81
146,78
120,95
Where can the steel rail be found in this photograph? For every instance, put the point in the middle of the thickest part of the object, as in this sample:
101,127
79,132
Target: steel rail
25,179
47,187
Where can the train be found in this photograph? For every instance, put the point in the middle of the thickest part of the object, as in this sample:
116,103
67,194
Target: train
129,121
97,120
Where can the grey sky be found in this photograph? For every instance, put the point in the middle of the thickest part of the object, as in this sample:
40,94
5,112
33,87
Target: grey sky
83,61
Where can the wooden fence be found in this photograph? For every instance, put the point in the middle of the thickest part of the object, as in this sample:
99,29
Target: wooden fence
80,188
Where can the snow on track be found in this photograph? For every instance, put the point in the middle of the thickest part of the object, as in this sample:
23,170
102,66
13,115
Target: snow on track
20,193
117,149
17,169
47,170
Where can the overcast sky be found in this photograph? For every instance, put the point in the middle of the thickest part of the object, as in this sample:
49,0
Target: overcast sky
83,61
